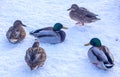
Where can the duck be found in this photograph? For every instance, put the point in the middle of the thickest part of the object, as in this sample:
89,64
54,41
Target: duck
52,35
16,33
35,56
81,15
100,55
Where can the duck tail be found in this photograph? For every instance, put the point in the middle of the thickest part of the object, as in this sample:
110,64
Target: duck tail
36,31
95,19
98,19
33,32
109,65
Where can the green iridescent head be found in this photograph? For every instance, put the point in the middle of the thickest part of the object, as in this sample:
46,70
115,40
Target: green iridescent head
95,42
57,27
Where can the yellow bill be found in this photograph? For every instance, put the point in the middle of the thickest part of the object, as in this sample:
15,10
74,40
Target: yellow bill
65,27
87,44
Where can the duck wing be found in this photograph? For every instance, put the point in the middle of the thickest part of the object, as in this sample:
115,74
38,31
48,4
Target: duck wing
86,12
9,32
22,33
43,54
90,15
99,54
108,54
62,35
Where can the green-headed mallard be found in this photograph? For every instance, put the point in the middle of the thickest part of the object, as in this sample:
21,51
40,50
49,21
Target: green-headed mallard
100,55
82,15
35,56
16,33
51,35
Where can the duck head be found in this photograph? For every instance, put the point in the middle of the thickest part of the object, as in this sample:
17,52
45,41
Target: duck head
36,43
94,42
58,27
34,55
18,23
73,7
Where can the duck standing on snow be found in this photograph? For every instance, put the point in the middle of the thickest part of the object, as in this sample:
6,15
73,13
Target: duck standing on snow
16,33
51,35
35,56
81,15
100,55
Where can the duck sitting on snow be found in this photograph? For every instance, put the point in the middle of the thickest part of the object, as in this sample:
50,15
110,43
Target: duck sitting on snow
35,56
51,35
16,33
100,55
82,15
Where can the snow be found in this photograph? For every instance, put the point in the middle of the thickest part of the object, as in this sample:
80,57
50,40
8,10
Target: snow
67,59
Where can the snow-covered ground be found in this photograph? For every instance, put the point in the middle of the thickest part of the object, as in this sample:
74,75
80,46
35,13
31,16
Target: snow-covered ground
67,59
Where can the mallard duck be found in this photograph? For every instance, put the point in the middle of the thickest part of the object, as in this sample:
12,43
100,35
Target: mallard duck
51,35
35,56
81,15
100,55
16,33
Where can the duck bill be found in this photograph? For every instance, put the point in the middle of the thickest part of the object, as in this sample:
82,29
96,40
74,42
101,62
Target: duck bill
65,27
68,9
87,44
24,25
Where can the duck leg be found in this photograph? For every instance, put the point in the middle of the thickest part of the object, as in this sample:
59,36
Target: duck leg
80,23
95,64
77,23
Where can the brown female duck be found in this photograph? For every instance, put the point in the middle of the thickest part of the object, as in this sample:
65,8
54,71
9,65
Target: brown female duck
16,33
81,15
35,56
